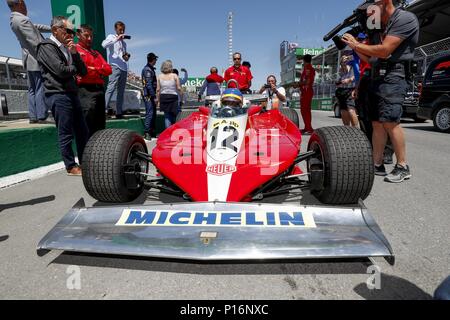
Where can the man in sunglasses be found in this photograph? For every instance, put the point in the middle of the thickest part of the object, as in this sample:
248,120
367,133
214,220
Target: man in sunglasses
92,85
241,74
60,64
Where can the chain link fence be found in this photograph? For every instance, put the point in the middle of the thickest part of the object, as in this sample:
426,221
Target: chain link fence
426,54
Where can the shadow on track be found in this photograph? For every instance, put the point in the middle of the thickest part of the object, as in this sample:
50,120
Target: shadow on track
27,203
313,266
392,288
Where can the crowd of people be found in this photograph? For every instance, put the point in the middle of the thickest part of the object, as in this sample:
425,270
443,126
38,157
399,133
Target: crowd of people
66,79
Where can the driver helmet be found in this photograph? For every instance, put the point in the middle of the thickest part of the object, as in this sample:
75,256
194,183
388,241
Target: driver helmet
232,98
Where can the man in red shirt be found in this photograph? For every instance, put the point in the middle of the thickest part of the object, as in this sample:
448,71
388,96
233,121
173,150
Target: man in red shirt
241,74
92,90
307,93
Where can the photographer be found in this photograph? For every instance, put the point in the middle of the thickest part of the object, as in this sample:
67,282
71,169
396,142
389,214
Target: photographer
274,94
118,59
391,68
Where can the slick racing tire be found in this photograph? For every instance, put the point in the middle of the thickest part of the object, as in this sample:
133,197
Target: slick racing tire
108,155
441,119
291,114
184,115
345,165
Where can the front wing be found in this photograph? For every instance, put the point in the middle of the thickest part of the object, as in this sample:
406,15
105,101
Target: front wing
221,232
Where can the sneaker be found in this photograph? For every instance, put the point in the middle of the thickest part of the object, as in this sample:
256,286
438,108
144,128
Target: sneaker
74,171
399,174
119,116
380,170
34,121
147,137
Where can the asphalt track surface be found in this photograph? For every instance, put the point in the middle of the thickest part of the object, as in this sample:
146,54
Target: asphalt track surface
414,217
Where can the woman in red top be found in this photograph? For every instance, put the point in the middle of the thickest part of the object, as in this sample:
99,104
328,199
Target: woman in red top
92,90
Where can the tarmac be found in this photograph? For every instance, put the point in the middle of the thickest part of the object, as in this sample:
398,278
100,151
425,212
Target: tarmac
413,216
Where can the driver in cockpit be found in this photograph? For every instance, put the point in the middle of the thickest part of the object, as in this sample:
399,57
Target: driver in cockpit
232,98
231,103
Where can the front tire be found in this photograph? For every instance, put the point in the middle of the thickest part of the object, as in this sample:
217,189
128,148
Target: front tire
344,158
104,158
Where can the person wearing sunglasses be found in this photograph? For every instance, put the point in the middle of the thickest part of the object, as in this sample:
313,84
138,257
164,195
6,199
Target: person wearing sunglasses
60,63
241,74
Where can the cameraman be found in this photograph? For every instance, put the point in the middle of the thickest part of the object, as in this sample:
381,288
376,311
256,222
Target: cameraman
274,94
391,69
118,58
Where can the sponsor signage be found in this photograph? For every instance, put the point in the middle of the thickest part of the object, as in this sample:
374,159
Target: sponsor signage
221,169
311,51
194,82
170,218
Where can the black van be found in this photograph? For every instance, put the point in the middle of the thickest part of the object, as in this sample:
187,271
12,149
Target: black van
434,101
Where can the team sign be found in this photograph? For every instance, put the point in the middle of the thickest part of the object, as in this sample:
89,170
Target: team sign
279,219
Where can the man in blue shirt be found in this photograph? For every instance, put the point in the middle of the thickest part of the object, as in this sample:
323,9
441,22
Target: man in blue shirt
149,82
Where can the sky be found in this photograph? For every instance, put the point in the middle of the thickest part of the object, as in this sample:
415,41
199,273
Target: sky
193,34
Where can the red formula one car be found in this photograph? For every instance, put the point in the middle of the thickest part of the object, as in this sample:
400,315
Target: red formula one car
226,163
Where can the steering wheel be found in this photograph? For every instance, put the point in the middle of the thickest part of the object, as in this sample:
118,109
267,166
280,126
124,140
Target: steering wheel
227,112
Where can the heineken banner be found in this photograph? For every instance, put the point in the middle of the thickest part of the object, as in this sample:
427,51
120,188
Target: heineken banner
305,51
194,82
84,12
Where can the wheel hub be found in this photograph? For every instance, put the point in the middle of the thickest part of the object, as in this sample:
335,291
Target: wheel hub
443,118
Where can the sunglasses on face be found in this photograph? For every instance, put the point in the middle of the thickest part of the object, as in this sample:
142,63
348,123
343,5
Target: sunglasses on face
236,59
68,31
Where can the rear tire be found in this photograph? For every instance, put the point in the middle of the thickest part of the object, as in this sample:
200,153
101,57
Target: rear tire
345,156
184,115
441,119
292,115
104,157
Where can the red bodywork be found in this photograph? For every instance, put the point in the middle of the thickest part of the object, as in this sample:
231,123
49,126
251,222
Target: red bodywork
192,177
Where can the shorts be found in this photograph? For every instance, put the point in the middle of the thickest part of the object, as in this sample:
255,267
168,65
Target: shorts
386,97
344,97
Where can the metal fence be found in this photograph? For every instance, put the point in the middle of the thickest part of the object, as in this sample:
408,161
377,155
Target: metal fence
426,54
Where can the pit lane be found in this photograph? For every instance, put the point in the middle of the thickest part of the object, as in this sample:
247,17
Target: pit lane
413,216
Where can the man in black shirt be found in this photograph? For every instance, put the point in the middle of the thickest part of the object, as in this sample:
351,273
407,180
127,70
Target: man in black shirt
60,63
391,61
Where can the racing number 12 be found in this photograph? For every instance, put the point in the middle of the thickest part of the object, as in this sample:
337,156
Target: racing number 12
228,142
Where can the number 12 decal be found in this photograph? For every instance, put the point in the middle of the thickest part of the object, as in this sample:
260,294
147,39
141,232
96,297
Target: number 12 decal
225,143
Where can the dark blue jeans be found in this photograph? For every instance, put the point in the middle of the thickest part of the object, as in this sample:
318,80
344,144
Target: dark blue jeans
150,116
70,122
170,119
36,104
